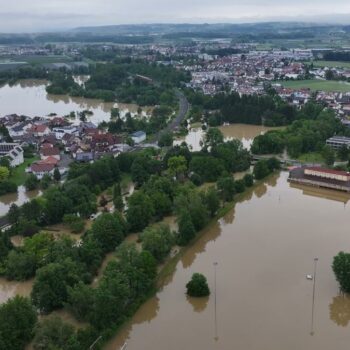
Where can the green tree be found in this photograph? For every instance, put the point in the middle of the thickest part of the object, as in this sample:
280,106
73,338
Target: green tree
343,153
158,241
177,166
261,169
80,301
118,198
31,182
109,230
56,175
4,173
328,155
248,180
45,181
341,269
19,265
111,298
213,138
51,283
187,230
140,211
166,139
17,321
14,214
212,201
198,286
54,334
226,187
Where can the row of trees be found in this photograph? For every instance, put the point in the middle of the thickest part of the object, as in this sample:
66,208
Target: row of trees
303,136
249,109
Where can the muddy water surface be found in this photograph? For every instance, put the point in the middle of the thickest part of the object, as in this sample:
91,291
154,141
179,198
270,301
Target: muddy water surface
264,249
34,101
243,132
20,197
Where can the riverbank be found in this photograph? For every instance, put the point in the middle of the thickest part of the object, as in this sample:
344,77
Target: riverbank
169,266
264,247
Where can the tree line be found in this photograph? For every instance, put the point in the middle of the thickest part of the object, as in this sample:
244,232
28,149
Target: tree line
65,268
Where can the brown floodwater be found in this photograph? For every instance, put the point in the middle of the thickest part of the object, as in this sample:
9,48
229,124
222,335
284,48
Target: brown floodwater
9,289
243,132
264,248
20,197
34,101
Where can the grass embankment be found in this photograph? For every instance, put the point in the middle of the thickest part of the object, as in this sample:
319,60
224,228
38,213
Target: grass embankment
19,175
317,85
331,64
44,59
312,157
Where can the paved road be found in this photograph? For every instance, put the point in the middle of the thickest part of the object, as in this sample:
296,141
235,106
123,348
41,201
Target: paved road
184,106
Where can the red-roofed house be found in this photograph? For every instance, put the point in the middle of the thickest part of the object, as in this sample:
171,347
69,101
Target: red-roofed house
40,169
50,152
39,130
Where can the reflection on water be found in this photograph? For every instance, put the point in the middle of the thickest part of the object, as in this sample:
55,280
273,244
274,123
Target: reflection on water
20,197
199,304
339,310
194,139
36,102
323,193
264,250
244,132
146,313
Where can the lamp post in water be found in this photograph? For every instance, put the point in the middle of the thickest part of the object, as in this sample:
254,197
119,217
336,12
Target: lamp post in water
313,297
215,318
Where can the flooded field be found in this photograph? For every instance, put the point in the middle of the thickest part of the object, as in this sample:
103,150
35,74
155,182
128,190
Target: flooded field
20,197
264,248
34,101
243,132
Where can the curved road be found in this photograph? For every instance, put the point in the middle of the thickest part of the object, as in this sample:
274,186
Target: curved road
184,106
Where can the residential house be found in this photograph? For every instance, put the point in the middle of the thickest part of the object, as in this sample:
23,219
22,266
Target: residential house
14,152
39,130
50,152
138,136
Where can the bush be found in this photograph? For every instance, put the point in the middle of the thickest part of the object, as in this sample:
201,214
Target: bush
31,183
7,187
240,186
76,224
198,286
248,180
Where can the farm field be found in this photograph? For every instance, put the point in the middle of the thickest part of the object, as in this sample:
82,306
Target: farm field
314,85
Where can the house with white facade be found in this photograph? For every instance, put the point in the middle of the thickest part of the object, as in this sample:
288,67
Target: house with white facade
14,152
138,136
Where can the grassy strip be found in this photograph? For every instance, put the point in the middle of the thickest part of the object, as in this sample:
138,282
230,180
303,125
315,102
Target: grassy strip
317,85
19,175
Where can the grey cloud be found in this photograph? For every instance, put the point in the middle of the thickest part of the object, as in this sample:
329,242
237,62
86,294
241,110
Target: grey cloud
35,15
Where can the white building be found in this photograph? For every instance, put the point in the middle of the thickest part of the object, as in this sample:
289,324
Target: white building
138,136
14,152
61,131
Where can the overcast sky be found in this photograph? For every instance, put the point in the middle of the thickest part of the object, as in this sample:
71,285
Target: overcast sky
42,15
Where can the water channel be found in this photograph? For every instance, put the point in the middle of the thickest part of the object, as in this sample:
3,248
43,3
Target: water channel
264,248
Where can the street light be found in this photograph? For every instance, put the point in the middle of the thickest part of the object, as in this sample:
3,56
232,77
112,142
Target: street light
313,297
95,342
